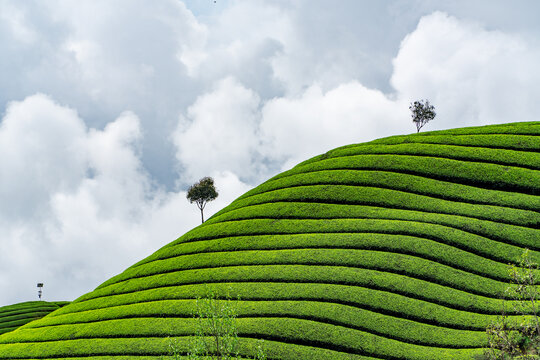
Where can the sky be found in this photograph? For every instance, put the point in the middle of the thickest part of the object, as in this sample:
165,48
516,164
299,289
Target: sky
110,109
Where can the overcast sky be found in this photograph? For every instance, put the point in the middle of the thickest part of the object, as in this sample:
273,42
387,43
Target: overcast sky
111,108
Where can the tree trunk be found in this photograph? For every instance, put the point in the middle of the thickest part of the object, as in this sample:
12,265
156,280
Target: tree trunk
202,217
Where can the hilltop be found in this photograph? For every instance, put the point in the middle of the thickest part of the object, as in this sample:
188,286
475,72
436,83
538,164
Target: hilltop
392,249
17,315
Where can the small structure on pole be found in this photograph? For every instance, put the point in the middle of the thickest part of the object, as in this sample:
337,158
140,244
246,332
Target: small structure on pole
40,290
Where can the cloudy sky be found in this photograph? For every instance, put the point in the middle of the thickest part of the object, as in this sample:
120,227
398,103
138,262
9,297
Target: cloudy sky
111,109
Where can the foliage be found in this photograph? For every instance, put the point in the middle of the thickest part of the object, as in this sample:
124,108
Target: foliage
216,331
510,338
216,334
422,113
202,192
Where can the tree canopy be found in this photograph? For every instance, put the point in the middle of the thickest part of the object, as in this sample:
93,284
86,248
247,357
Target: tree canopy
422,113
202,192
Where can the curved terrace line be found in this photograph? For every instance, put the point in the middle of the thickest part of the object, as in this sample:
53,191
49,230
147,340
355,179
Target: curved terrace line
432,259
373,204
375,184
478,183
100,314
432,141
431,138
484,234
473,250
297,341
386,249
409,274
457,181
358,246
24,317
317,319
308,291
26,309
27,313
411,152
311,281
146,354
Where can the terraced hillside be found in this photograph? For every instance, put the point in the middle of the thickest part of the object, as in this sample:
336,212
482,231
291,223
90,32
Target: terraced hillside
15,316
393,249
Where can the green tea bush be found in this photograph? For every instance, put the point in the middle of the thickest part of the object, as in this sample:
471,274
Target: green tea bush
390,250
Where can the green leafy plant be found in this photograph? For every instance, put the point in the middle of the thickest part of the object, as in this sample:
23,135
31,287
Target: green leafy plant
174,350
511,338
526,291
216,332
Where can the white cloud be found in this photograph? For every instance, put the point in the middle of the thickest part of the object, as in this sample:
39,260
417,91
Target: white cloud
228,129
15,20
241,42
294,129
93,208
280,48
41,146
128,56
219,132
258,87
473,76
129,46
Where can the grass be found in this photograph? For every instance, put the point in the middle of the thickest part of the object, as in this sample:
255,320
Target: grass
393,249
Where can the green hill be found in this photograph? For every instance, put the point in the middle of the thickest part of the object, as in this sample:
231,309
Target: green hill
17,315
393,249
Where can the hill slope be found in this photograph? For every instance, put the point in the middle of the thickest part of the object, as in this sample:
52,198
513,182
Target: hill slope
392,249
17,315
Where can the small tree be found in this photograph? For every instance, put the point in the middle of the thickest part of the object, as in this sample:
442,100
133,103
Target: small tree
201,193
507,338
525,276
422,113
216,336
216,329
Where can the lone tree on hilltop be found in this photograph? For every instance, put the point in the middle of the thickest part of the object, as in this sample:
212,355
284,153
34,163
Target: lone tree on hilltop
422,113
201,193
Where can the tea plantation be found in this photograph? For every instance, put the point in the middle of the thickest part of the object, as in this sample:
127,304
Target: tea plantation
393,249
15,316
